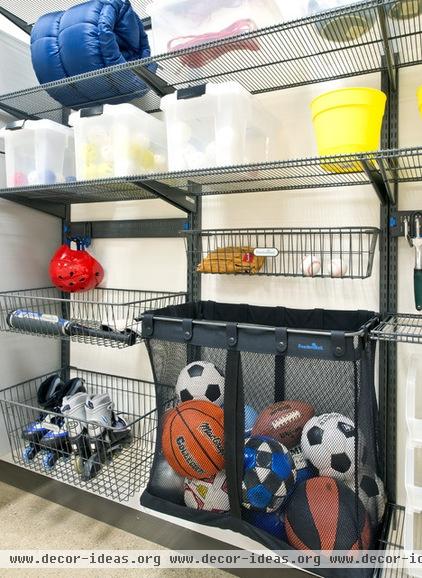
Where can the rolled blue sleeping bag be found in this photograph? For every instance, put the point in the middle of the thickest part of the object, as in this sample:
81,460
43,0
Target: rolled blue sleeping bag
88,37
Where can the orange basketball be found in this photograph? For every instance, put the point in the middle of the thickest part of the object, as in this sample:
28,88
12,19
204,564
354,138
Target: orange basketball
193,439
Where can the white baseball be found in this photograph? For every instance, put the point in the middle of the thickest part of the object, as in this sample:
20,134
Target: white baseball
337,268
311,266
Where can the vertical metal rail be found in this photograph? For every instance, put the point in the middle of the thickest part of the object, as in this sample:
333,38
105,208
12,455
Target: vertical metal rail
194,246
388,302
65,344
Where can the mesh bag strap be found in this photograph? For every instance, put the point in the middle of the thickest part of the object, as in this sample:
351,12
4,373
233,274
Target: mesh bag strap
234,409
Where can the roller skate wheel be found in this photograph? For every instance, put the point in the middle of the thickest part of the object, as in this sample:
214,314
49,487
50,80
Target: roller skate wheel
28,454
49,460
79,465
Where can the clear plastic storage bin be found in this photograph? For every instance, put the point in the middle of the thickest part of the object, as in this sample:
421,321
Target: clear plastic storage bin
116,141
38,153
222,126
413,470
178,24
414,402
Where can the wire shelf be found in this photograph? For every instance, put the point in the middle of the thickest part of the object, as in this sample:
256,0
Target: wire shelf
346,253
404,328
392,539
314,49
105,317
30,11
377,169
115,463
381,169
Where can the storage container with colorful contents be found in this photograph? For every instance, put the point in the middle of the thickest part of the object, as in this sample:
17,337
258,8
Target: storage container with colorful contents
117,141
180,24
38,153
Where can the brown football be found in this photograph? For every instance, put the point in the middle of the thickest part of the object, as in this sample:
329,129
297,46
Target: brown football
284,421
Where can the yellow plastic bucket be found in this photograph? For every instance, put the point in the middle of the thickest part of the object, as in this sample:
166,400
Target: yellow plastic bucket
348,121
419,93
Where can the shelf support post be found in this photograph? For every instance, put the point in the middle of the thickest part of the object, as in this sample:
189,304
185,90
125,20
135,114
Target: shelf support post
194,245
389,58
185,201
388,301
65,344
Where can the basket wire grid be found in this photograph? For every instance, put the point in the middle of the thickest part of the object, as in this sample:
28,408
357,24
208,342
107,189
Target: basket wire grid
315,48
404,328
106,317
346,253
119,475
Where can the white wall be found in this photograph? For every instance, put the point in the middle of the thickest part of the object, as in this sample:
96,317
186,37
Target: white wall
27,240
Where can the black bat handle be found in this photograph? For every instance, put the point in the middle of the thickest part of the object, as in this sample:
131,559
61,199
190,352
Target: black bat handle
84,331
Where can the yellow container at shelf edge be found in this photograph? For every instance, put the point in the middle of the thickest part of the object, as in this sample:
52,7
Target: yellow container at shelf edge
419,93
348,121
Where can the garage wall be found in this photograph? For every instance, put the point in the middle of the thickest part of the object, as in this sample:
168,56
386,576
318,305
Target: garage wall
27,241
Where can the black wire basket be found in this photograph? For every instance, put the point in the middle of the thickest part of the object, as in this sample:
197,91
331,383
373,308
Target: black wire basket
114,464
106,317
401,327
345,253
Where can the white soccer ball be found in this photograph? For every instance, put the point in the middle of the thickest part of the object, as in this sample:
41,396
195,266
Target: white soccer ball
372,494
210,494
311,266
337,268
201,380
328,442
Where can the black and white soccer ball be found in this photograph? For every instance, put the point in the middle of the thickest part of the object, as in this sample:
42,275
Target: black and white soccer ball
328,442
372,494
269,474
201,380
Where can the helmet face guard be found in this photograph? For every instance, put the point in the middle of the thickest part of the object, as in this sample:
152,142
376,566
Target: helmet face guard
73,271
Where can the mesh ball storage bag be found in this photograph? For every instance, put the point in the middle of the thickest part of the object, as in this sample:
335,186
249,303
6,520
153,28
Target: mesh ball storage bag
269,427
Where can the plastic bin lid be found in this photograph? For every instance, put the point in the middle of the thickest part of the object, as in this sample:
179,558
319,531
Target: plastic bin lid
224,89
111,110
34,125
158,6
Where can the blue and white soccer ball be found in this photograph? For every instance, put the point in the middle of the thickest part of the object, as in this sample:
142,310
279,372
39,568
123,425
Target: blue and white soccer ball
269,474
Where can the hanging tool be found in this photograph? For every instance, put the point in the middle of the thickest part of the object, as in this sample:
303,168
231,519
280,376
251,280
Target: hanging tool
416,242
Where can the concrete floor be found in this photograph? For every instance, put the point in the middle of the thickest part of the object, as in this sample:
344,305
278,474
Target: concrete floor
30,522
